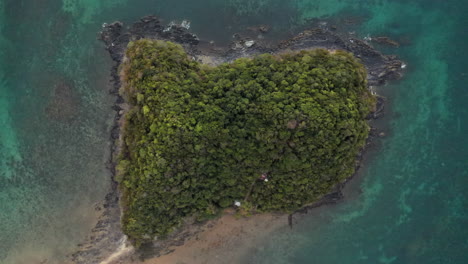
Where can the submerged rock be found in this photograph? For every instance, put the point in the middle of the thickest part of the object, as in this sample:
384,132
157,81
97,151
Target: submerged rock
385,41
63,104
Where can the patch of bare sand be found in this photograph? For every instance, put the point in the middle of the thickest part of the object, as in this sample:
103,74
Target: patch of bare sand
224,241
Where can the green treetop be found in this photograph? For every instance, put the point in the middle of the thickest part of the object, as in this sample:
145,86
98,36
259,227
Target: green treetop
198,138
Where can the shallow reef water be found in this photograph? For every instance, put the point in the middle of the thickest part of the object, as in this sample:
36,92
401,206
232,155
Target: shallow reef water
408,204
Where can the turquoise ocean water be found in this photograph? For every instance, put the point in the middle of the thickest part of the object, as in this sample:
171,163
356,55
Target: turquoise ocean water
409,204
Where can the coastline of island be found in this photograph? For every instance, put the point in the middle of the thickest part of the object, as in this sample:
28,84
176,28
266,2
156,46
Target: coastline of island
107,234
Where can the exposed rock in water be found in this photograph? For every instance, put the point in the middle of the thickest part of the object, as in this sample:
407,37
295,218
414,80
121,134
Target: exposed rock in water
249,43
116,39
380,67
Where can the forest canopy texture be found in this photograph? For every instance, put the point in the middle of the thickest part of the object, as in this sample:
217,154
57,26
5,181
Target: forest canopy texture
197,138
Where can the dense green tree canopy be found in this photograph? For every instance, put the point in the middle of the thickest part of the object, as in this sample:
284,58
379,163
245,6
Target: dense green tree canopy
198,138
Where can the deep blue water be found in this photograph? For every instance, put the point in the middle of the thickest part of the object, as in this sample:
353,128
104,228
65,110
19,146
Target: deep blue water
409,204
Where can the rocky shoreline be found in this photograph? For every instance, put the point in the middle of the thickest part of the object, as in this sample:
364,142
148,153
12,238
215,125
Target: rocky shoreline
106,237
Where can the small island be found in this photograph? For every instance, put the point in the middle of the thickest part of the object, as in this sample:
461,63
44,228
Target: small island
205,134
268,133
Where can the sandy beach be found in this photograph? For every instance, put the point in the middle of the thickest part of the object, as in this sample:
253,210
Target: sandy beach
221,240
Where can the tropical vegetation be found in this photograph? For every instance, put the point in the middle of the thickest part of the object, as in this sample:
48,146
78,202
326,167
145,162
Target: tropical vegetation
273,132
